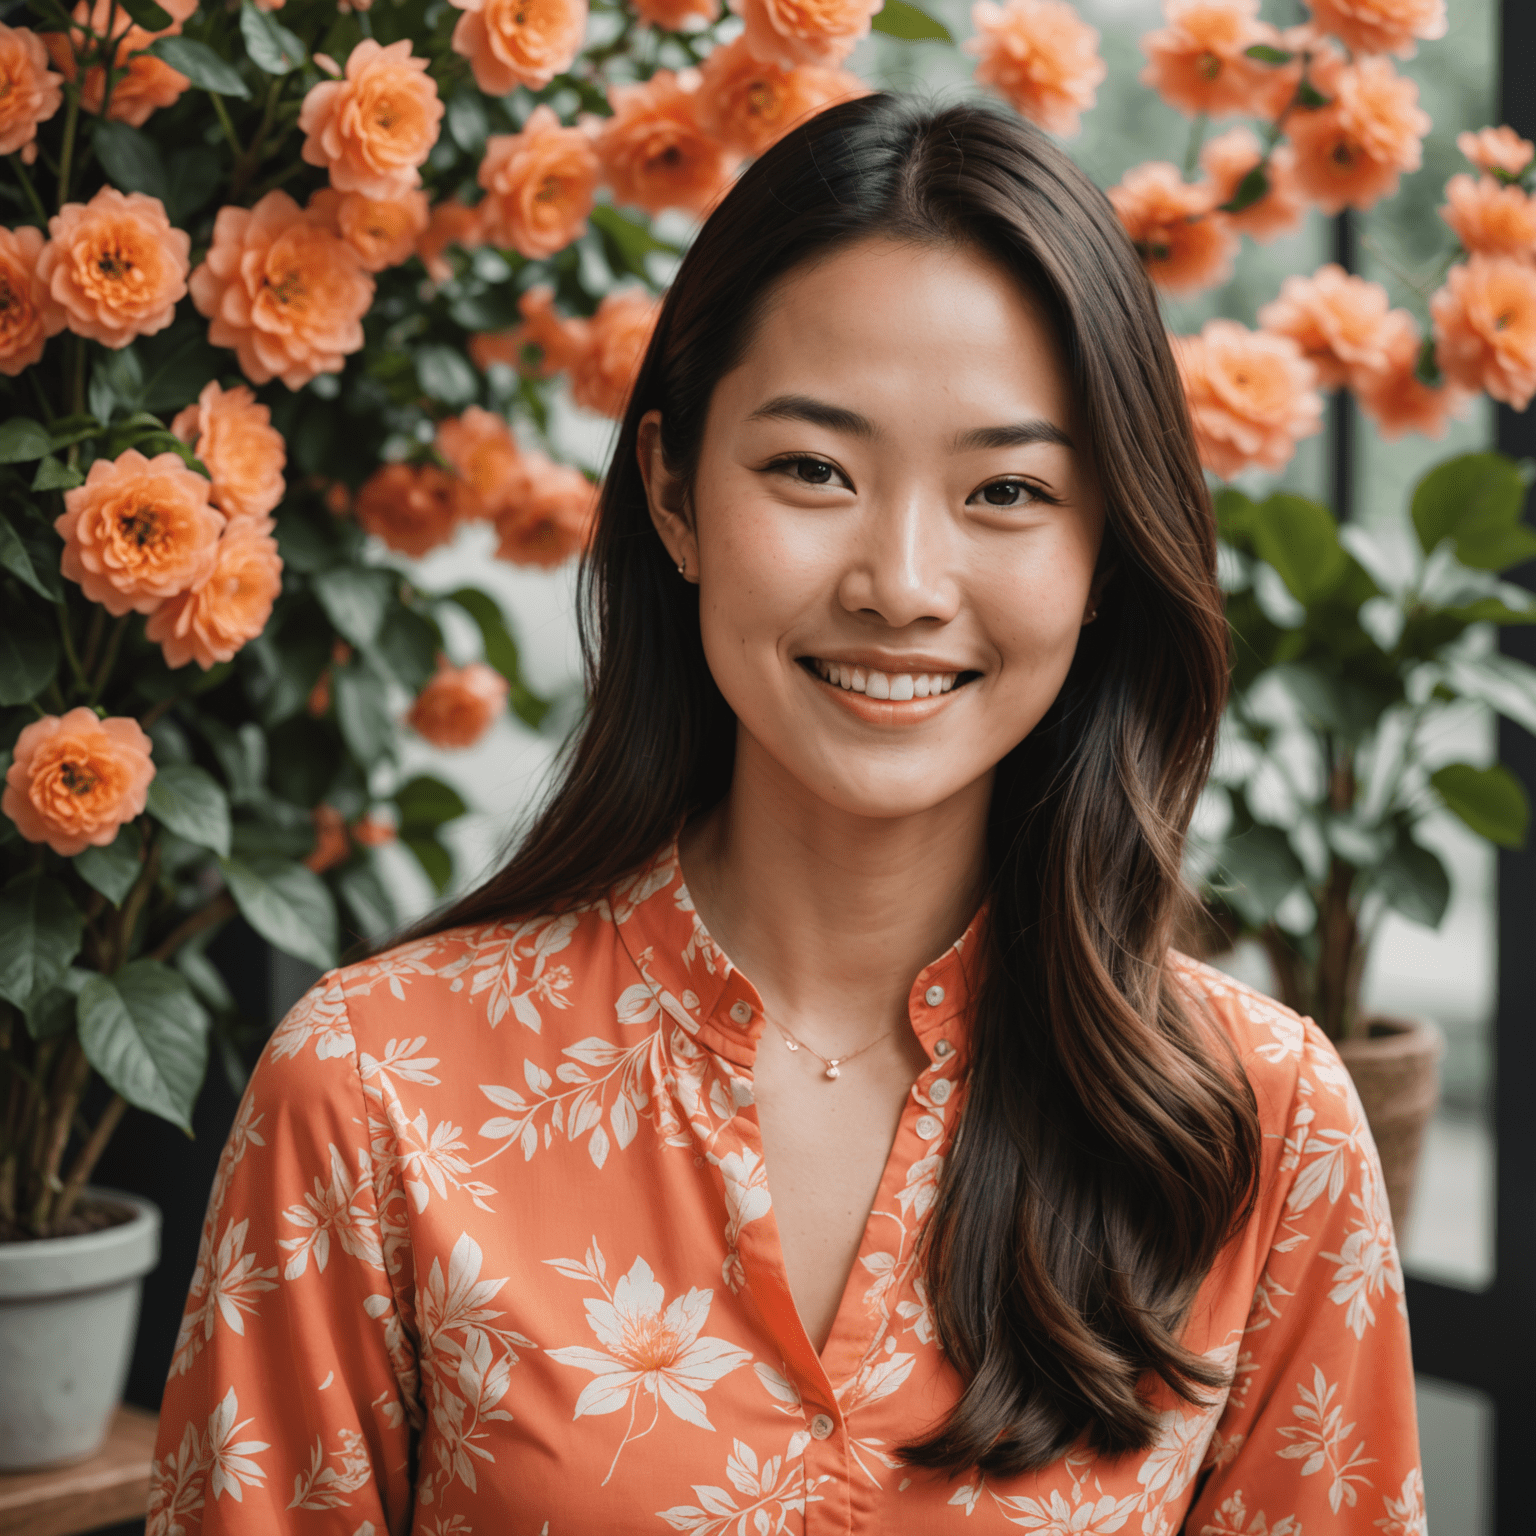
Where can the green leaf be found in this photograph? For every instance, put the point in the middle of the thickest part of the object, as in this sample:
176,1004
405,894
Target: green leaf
355,599
1475,500
1503,682
22,440
147,1035
201,65
203,977
407,647
1249,190
195,174
133,160
1235,517
446,375
1308,95
29,657
1301,540
271,47
1490,610
1265,54
435,860
363,713
632,242
425,803
468,124
55,475
242,756
898,19
1414,881
150,16
192,805
1262,870
367,900
500,647
113,869
1490,800
15,558
52,1013
40,930
287,904
306,756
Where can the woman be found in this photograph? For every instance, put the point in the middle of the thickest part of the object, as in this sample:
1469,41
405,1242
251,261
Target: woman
810,1129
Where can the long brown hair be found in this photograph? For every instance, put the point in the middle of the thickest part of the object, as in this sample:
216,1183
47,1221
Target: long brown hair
1108,1147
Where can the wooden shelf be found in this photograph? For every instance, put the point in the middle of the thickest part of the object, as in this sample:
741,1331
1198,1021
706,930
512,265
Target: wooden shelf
64,1501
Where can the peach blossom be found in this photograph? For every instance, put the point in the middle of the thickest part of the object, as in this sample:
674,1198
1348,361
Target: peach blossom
236,441
459,705
284,291
749,105
505,347
146,83
1338,321
1485,328
678,15
1491,216
451,223
373,129
1199,63
1395,397
617,336
1251,396
1039,56
1228,158
28,314
1381,26
561,341
332,845
791,32
539,185
412,507
1184,243
115,266
29,90
1497,149
654,153
551,519
231,605
480,446
383,231
373,831
138,531
75,779
519,42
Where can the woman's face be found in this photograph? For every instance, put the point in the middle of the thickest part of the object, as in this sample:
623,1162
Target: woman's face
893,525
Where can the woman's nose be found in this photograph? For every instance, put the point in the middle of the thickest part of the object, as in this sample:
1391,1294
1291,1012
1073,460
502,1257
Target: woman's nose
900,563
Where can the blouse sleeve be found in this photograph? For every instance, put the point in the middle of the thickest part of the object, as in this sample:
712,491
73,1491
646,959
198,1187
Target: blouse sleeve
291,1397
1320,1430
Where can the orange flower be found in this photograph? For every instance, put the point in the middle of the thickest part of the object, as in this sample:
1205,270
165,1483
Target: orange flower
332,845
1491,216
1185,245
748,104
539,184
1198,62
1229,158
1038,55
115,266
451,223
551,520
519,42
383,231
487,347
28,315
412,507
285,292
678,15
373,831
617,336
138,531
1352,151
1380,26
146,84
74,779
1497,149
1485,328
654,153
561,342
231,605
1338,321
480,446
29,90
373,129
791,32
244,453
1395,397
459,705
1250,394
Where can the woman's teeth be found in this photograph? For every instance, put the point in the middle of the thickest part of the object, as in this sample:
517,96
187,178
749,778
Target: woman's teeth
896,686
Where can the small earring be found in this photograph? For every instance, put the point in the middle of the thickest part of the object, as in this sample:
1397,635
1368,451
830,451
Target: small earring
682,568
1091,617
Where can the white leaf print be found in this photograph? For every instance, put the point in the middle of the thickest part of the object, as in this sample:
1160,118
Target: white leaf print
506,1098
624,1120
637,1005
597,1145
778,1386
1405,1514
230,1461
537,1078
595,1051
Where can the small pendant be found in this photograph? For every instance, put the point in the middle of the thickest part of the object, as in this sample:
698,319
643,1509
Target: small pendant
791,1044
831,1069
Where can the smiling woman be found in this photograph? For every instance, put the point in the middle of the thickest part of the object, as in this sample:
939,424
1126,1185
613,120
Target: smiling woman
976,1202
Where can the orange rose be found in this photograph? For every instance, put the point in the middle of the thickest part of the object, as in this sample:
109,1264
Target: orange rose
1039,56
1485,328
551,519
791,32
1491,216
561,342
115,266
1395,397
412,507
519,42
285,292
749,105
28,315
617,336
1199,62
231,605
1352,151
1250,394
678,15
1229,158
1338,321
74,780
539,185
383,231
138,531
480,446
332,845
1184,243
373,129
1380,26
1497,149
146,83
29,90
244,454
451,223
654,153
459,705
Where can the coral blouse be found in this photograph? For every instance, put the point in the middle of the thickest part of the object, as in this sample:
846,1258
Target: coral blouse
492,1251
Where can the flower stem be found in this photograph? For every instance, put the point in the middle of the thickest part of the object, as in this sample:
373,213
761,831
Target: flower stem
67,151
29,189
62,609
87,1157
1196,140
114,644
229,128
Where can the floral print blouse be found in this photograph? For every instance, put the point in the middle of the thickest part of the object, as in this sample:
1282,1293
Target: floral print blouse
491,1251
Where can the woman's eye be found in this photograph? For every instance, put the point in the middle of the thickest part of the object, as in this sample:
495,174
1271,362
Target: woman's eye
809,471
1008,493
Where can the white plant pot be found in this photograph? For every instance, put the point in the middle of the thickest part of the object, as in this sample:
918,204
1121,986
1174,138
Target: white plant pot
68,1310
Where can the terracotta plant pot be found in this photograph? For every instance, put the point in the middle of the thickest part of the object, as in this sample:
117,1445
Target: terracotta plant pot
1395,1064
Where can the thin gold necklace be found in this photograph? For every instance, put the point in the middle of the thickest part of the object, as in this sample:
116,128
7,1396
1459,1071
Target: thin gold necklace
831,1063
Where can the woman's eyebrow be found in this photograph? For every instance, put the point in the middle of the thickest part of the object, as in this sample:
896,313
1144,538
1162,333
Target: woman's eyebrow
819,413
1019,435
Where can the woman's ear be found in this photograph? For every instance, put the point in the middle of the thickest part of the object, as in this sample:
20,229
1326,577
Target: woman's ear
667,498
1101,580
